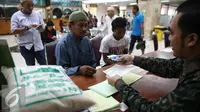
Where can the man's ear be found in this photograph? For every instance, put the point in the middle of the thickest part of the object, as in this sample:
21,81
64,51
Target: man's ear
192,39
70,25
21,5
113,30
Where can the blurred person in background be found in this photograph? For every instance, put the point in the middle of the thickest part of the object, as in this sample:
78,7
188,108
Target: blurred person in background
95,21
137,28
28,24
107,27
49,34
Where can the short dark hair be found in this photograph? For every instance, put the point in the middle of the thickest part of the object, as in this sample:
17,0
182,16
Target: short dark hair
136,7
119,23
189,22
50,23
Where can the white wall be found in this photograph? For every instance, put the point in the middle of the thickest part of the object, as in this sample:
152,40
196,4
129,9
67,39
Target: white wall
101,11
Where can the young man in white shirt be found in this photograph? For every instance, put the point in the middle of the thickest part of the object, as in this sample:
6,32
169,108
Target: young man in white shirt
115,43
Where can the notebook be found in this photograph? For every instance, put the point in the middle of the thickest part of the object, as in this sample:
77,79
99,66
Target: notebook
106,90
102,103
130,78
103,89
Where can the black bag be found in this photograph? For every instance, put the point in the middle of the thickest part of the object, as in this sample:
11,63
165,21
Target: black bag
141,45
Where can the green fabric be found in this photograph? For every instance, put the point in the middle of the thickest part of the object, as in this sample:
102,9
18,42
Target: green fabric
78,16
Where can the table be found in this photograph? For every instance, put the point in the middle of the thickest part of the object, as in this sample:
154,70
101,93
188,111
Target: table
150,86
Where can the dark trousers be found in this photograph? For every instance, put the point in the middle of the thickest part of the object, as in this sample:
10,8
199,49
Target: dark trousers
31,55
133,41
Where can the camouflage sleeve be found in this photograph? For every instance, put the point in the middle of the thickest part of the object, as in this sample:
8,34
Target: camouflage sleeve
165,68
180,100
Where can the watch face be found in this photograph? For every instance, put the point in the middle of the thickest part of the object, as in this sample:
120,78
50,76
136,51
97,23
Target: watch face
114,57
26,27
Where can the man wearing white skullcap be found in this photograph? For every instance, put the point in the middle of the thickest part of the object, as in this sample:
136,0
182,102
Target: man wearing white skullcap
28,24
107,27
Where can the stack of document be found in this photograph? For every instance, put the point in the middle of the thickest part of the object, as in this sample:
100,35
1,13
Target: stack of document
102,92
121,70
103,89
102,103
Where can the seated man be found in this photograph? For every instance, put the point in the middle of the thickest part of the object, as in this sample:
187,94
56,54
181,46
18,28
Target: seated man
115,43
185,41
74,52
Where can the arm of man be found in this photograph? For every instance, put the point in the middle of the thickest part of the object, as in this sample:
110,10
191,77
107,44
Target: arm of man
142,25
127,41
63,59
179,100
106,60
15,27
93,62
125,51
165,68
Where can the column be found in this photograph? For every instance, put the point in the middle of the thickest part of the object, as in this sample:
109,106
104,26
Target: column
151,10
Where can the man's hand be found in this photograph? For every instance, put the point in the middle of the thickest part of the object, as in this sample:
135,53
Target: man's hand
40,28
112,80
126,59
87,70
32,26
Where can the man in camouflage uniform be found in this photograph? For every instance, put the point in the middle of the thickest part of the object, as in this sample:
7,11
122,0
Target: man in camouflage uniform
185,41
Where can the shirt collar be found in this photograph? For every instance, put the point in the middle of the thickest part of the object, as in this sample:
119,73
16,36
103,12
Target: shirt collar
73,38
137,14
112,17
191,65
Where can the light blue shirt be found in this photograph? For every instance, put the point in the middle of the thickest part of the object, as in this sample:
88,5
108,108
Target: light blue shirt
137,30
31,37
71,53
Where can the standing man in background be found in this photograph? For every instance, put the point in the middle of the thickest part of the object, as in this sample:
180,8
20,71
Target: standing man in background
107,27
95,21
28,24
137,28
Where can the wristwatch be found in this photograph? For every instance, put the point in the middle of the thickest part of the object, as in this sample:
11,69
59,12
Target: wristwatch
27,28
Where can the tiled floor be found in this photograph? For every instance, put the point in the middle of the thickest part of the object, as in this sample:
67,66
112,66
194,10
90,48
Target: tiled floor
19,61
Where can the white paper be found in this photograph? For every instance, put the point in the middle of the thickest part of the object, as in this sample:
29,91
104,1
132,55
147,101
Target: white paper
119,70
167,50
114,57
123,107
